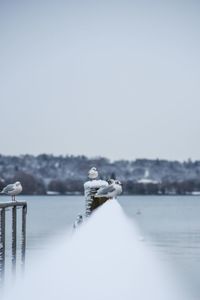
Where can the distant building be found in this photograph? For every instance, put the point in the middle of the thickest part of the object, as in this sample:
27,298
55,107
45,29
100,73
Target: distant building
195,193
146,179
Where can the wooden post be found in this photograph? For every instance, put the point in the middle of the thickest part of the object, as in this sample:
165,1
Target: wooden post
14,238
23,245
2,246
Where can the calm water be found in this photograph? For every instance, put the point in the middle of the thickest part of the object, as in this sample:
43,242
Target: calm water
170,224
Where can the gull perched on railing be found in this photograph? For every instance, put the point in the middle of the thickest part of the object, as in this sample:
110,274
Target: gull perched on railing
113,189
12,190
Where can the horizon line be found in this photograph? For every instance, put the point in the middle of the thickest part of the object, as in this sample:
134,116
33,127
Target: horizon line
100,157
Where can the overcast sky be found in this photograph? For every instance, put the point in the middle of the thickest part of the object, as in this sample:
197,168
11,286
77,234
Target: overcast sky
119,79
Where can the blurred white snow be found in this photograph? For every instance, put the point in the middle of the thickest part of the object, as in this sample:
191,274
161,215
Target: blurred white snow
103,260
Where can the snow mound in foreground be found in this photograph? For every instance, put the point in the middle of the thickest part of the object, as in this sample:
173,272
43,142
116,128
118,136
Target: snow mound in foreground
103,260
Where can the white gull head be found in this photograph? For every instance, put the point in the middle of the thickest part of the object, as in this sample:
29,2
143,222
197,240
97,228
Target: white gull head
93,173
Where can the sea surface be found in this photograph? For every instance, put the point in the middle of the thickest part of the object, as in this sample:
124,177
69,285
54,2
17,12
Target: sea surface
169,224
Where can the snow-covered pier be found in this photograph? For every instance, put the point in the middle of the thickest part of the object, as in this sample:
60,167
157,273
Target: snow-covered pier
103,259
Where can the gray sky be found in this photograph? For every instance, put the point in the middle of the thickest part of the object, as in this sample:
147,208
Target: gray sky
119,79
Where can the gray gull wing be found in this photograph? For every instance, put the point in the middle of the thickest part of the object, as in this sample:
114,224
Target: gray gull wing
9,188
105,190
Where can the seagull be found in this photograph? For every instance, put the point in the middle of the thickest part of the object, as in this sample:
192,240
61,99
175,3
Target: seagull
12,190
93,173
111,191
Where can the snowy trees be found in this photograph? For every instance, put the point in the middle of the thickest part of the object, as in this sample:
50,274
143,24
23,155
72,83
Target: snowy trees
66,174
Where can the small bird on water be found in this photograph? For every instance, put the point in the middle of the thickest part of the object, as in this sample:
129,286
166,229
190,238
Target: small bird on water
12,189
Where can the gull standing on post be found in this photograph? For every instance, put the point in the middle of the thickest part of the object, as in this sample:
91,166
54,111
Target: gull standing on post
93,173
12,190
111,191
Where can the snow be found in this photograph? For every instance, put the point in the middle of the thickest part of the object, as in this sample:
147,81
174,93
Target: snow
104,259
147,181
94,184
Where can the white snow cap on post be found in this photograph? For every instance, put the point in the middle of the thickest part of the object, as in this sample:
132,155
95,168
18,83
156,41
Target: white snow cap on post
93,173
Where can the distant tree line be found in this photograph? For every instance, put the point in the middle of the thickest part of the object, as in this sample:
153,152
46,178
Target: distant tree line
165,188
34,186
66,174
66,186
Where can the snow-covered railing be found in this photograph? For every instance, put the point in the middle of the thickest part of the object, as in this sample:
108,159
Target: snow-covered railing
3,208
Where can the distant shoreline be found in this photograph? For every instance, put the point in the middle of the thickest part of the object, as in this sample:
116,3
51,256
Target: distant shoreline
124,195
